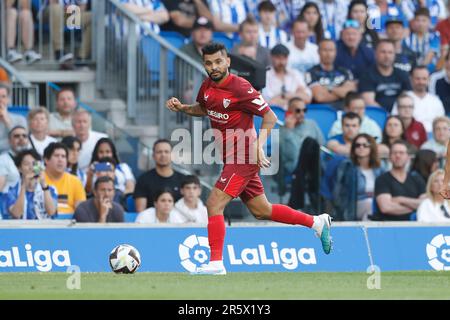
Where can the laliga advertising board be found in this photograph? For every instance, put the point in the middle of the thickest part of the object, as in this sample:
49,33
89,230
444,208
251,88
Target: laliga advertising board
247,249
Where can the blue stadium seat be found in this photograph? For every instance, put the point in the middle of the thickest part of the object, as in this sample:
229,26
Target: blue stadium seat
223,38
64,216
131,206
20,110
377,114
174,38
324,115
130,216
151,51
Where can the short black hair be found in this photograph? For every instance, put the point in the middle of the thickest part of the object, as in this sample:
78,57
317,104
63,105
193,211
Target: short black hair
214,47
422,12
400,141
294,99
52,147
351,116
160,192
69,141
266,5
350,96
103,179
189,180
161,141
381,41
418,67
22,154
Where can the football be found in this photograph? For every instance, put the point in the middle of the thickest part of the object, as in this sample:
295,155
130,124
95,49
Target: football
124,259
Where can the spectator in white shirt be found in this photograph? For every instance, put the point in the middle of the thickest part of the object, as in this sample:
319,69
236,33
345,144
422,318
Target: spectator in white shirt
190,208
163,210
434,208
38,120
284,83
269,34
82,122
304,54
426,105
441,136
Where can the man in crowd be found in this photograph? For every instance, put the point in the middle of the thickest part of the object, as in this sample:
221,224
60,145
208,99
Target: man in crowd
162,176
398,193
101,208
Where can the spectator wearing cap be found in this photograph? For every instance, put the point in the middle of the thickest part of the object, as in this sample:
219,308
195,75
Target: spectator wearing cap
284,83
304,54
7,119
352,53
405,58
424,43
329,84
184,14
382,83
249,46
202,34
382,10
269,34
440,84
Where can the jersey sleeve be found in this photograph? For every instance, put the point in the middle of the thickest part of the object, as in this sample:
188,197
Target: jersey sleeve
250,100
200,96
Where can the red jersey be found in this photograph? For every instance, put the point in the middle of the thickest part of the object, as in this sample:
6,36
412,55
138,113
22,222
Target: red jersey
230,107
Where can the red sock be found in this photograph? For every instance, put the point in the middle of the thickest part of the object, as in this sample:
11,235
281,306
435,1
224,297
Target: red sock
285,214
216,236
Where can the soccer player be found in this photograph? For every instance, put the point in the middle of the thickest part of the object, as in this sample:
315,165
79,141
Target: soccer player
230,102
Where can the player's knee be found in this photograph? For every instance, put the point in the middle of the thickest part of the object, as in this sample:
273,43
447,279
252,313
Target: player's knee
261,213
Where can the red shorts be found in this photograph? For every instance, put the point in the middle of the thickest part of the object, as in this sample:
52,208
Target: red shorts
240,181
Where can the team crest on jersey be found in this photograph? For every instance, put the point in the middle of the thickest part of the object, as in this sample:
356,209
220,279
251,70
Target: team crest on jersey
206,97
226,103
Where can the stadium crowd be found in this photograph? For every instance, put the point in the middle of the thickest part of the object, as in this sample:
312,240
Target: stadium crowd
349,55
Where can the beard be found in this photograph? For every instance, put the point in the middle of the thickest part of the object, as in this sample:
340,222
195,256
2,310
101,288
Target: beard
218,75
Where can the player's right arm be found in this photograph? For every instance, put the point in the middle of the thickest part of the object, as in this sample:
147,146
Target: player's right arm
445,191
195,110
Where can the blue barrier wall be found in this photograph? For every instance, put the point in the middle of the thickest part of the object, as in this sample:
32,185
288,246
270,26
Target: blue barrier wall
247,249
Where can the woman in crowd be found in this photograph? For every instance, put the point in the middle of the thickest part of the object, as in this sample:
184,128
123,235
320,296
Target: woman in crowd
434,208
73,145
355,181
125,180
163,210
357,10
393,130
311,14
31,198
424,164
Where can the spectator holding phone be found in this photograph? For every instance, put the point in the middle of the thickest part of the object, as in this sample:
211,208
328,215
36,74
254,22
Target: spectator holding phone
32,198
124,178
101,208
106,167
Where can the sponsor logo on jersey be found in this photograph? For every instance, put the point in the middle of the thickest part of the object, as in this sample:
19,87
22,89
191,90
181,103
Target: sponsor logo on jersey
218,115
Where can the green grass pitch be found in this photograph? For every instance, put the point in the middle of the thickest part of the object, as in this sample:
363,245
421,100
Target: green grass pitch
179,286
